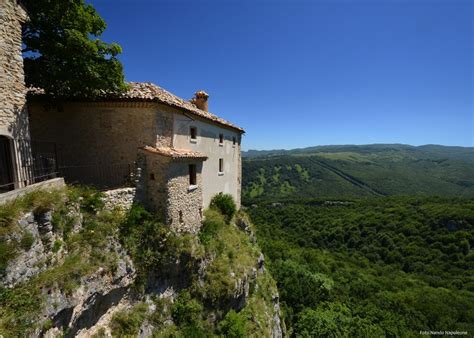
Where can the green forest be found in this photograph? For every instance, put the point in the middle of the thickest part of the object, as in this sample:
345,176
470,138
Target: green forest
355,171
381,266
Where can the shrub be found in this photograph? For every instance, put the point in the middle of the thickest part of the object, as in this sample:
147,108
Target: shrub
213,222
186,311
57,245
8,251
233,325
225,204
127,323
143,237
91,199
27,240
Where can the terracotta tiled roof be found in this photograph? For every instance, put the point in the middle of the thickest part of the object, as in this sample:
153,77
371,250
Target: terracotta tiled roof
151,92
146,91
175,153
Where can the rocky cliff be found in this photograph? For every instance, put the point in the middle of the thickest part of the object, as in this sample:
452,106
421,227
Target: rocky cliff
73,265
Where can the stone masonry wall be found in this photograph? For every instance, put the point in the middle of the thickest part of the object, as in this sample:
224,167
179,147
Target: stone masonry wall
163,187
122,198
185,203
12,82
13,113
99,135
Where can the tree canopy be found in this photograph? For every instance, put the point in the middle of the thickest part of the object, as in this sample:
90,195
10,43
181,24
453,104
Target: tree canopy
371,267
63,54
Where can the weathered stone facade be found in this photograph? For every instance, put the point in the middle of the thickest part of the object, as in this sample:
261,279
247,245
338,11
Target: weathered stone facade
97,143
122,198
164,187
14,132
184,201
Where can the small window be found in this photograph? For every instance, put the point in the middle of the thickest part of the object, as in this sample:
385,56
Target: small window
221,165
234,140
181,217
192,174
152,177
193,133
221,138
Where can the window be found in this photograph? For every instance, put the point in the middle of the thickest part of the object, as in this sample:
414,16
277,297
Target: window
221,165
193,133
234,140
181,217
152,177
221,139
192,174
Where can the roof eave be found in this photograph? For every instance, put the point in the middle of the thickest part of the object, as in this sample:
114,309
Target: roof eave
42,97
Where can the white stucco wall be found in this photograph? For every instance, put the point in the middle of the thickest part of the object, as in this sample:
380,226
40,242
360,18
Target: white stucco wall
207,142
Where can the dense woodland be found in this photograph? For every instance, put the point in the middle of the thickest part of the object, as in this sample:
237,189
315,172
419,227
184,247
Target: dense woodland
354,171
369,267
357,242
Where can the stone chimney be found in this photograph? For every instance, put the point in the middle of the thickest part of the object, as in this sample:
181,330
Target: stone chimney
200,100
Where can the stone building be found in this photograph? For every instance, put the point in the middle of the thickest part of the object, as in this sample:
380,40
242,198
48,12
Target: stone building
15,158
185,155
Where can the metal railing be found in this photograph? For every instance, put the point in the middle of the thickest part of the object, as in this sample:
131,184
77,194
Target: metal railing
33,173
41,163
102,176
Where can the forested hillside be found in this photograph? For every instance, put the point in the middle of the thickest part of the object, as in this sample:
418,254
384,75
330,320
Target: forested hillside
391,266
355,171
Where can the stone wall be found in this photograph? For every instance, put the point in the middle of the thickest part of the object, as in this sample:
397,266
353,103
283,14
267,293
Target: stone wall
99,140
163,187
185,202
13,113
122,198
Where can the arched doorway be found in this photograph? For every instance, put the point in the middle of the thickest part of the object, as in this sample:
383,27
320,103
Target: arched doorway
6,165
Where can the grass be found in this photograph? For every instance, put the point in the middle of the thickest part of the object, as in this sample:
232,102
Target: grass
128,322
27,240
36,202
233,257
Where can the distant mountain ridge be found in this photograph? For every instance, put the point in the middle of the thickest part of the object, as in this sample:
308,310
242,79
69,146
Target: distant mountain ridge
432,149
358,170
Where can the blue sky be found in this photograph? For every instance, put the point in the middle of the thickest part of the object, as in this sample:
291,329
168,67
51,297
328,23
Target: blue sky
303,73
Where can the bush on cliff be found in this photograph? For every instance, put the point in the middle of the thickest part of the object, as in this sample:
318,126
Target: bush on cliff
225,204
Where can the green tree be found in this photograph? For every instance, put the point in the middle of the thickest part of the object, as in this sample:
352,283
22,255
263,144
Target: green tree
63,54
299,287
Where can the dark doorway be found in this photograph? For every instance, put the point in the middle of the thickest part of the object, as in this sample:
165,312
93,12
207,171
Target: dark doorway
6,165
